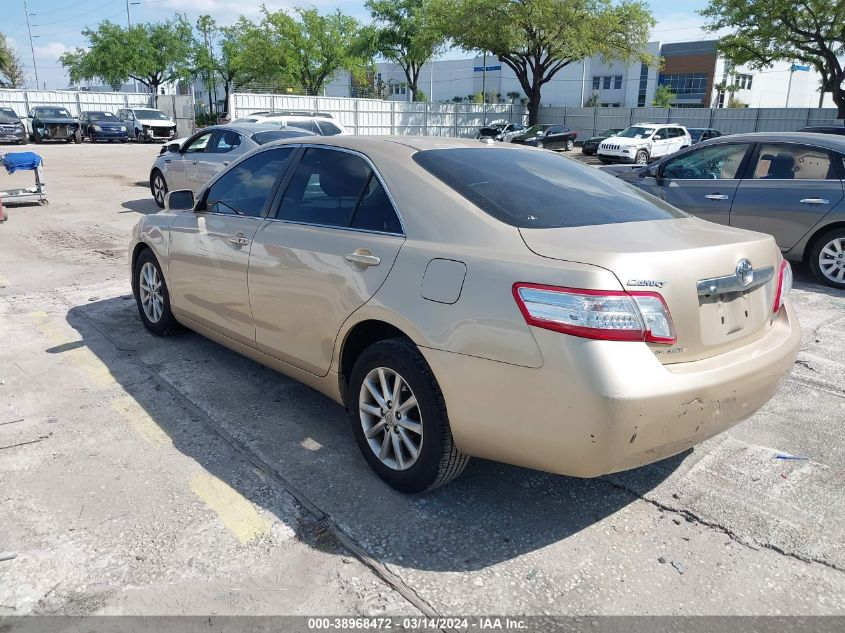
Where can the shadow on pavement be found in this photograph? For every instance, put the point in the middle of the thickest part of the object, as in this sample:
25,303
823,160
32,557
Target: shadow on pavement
145,206
492,513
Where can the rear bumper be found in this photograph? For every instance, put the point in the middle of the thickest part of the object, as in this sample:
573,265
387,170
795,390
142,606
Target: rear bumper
597,407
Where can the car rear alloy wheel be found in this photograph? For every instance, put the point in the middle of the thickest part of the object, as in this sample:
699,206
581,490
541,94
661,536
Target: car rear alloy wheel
399,418
828,258
391,419
569,145
159,188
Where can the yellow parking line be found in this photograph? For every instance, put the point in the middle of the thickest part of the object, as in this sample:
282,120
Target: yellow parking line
82,357
140,420
235,511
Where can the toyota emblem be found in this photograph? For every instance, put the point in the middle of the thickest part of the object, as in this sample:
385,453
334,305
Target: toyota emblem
744,272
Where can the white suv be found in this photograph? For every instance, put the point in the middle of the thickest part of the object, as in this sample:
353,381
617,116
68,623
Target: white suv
320,123
644,142
147,124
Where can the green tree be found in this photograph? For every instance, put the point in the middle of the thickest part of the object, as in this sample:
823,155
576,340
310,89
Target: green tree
736,102
11,68
538,38
593,101
206,63
723,88
766,31
306,48
663,97
513,96
406,34
152,54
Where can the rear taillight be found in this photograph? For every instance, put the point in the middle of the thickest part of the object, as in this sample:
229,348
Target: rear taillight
599,314
783,285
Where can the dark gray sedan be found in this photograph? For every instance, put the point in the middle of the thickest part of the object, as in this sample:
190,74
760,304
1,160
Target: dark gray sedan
787,184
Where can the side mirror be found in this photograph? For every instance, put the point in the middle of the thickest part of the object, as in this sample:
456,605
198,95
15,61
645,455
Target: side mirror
657,137
648,172
173,147
180,200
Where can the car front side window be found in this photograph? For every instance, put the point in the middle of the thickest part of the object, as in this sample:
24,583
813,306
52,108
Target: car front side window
198,144
245,188
710,163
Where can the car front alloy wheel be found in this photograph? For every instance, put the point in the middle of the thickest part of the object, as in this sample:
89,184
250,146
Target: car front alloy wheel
827,258
159,188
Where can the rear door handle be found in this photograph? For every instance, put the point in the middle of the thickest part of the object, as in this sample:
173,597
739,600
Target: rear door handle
716,196
226,163
363,258
239,239
815,201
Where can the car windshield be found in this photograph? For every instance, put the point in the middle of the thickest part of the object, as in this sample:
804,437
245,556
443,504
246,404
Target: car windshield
530,189
57,113
155,115
102,116
7,115
636,132
536,129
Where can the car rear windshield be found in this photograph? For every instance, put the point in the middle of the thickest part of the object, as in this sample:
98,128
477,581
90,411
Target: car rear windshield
539,189
274,135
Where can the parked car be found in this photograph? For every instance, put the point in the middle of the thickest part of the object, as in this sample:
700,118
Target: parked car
203,155
547,136
407,279
102,126
698,134
500,131
592,144
824,129
53,123
321,123
12,129
644,142
788,184
147,124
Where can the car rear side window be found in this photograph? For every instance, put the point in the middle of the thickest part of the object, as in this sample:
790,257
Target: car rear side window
244,189
337,189
794,162
533,189
328,128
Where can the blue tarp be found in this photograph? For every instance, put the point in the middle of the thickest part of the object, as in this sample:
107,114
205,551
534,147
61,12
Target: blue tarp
21,160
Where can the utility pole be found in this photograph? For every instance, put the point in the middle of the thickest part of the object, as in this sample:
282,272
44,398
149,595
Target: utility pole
583,79
431,80
31,45
129,24
789,85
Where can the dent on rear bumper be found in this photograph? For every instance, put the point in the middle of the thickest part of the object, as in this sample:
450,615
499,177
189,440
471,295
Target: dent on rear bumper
597,407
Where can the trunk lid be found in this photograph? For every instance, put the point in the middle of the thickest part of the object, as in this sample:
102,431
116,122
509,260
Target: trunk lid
671,258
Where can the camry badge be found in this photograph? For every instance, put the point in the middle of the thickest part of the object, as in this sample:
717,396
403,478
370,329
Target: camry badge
647,283
744,272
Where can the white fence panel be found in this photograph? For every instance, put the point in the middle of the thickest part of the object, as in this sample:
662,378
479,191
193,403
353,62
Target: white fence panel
375,117
410,119
734,120
75,101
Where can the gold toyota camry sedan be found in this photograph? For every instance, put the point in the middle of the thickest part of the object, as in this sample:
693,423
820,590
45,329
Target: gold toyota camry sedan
463,299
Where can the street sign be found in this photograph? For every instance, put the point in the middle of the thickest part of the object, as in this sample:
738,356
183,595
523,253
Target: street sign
800,67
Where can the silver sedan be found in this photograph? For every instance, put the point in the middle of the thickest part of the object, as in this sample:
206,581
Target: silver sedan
203,155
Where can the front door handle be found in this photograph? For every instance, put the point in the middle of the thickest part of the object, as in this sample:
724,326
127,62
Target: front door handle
238,239
716,196
815,201
226,163
364,257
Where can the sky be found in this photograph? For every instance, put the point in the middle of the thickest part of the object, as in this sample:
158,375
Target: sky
56,24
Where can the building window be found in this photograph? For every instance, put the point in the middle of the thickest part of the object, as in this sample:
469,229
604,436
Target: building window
743,81
596,83
606,83
641,93
617,82
685,83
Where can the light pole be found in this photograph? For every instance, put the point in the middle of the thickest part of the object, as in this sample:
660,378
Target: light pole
129,24
31,45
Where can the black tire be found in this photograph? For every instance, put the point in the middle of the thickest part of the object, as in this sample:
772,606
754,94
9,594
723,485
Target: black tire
819,244
159,198
139,137
167,324
36,138
605,161
641,158
439,461
569,145
587,152
124,140
77,137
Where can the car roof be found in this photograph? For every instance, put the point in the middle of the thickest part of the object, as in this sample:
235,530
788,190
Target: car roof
827,141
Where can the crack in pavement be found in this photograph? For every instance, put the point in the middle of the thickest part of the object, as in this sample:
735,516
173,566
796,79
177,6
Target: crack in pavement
692,517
